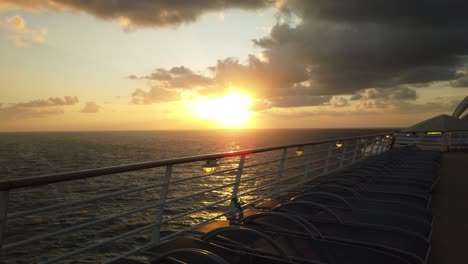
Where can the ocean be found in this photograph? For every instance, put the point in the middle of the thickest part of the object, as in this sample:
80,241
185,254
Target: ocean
42,153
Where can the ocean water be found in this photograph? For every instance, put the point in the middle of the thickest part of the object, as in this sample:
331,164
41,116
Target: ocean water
34,154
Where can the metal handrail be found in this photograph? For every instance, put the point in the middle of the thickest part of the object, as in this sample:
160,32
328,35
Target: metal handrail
278,180
69,176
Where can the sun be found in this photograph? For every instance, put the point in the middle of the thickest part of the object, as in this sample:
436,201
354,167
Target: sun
230,110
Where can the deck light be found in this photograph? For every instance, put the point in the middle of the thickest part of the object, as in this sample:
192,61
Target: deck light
434,133
339,144
210,166
299,151
387,136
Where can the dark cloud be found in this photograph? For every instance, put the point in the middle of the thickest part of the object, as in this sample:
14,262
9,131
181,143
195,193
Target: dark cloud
142,13
349,46
91,107
422,13
37,108
298,101
346,58
399,93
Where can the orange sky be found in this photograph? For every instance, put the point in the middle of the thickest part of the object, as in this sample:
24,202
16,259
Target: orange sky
72,66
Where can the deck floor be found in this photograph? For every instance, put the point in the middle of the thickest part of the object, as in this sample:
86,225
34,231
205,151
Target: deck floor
450,210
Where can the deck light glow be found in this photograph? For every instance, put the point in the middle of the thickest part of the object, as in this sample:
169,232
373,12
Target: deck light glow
210,166
339,144
299,151
434,133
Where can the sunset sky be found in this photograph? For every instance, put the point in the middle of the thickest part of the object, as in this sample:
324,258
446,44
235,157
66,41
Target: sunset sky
143,65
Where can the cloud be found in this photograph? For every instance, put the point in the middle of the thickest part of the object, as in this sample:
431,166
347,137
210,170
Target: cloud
462,80
399,93
37,108
267,82
399,12
339,102
154,95
91,107
51,101
142,13
372,50
299,101
167,84
315,111
319,50
176,77
334,47
441,105
383,98
348,46
20,34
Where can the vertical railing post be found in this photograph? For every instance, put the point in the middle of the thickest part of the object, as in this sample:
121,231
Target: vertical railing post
156,238
277,188
327,160
385,143
343,154
444,142
364,148
235,189
373,145
307,167
356,148
3,215
379,145
449,141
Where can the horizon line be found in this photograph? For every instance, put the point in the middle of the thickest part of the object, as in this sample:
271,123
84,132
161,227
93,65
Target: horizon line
196,129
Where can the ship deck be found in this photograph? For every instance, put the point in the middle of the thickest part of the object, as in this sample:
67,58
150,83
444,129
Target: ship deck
450,233
444,244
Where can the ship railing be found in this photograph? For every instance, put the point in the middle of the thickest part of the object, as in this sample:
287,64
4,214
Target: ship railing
457,140
108,213
435,140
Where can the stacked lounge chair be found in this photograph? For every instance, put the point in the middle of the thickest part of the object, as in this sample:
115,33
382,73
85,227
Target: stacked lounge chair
377,211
